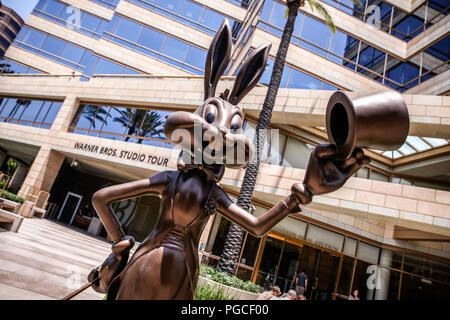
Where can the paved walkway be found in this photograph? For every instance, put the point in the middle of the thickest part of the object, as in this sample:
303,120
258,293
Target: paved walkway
47,260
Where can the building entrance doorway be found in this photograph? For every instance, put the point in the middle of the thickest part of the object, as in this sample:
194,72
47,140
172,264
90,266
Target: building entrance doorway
322,268
69,207
282,259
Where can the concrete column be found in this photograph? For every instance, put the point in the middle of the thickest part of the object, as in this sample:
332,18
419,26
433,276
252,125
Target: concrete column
18,177
43,171
3,157
66,113
384,276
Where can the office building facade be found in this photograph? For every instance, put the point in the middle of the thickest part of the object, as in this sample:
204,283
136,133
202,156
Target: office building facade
91,82
10,24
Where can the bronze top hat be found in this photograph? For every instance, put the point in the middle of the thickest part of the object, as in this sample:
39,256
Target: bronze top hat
378,121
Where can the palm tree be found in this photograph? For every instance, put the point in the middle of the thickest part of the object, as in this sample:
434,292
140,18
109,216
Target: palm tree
19,102
91,113
152,126
140,122
233,241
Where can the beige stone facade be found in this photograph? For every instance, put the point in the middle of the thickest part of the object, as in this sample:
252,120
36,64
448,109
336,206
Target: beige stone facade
366,209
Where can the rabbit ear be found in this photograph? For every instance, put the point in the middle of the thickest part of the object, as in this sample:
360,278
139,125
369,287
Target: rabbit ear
219,54
250,73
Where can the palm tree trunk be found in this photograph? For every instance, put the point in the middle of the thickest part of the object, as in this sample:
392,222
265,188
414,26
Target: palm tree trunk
233,241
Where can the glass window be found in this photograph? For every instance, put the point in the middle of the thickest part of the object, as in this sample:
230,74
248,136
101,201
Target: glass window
19,107
291,227
31,111
52,112
300,80
326,86
289,265
9,107
250,250
115,122
8,66
171,5
84,116
378,176
52,7
368,252
278,15
152,39
223,226
72,53
325,238
343,45
273,154
107,67
213,20
175,48
418,265
361,280
403,73
53,45
371,58
265,78
151,125
269,261
196,57
345,278
417,143
266,10
128,29
43,112
310,31
408,28
419,288
98,115
191,10
350,246
244,274
441,49
34,38
89,21
391,259
296,154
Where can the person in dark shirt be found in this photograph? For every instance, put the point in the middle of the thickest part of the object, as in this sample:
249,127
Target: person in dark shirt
301,283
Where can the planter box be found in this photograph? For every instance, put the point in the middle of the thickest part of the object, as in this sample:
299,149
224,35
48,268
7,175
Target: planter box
229,291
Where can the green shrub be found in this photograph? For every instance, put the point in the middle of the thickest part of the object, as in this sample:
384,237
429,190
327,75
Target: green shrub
11,196
208,292
233,281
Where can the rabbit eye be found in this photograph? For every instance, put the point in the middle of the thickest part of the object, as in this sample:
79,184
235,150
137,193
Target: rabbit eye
210,114
236,122
210,117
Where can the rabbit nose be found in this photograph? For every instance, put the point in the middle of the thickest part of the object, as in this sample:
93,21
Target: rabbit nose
223,130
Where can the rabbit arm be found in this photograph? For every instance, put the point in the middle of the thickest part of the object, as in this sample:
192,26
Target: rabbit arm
102,199
257,226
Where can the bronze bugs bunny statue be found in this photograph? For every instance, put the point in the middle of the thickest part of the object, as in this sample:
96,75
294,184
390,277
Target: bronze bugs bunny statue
165,265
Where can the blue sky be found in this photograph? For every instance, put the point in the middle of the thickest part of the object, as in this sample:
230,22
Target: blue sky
22,7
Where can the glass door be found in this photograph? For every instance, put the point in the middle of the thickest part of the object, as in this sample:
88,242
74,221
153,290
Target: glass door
322,269
269,262
69,207
287,270
326,276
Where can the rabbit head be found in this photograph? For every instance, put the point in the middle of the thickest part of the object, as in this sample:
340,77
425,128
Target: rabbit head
213,130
